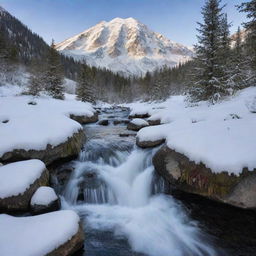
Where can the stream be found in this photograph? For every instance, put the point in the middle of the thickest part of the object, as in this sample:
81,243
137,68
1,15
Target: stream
122,201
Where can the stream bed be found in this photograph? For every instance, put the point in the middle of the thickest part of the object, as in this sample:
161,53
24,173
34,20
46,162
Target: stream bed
122,202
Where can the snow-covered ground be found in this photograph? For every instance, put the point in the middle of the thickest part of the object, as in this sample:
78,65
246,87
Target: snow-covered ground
37,235
222,136
32,123
16,178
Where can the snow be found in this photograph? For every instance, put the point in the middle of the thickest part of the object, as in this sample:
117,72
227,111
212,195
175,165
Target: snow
126,46
37,235
44,196
139,122
35,126
222,136
16,178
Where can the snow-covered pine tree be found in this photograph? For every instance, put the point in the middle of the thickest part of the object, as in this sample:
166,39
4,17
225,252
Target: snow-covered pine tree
84,89
249,7
208,72
53,76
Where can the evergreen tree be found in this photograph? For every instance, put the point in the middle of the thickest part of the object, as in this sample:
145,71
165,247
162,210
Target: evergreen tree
53,77
84,89
208,74
250,42
35,84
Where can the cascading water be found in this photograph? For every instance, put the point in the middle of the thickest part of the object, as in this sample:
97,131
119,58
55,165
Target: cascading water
114,190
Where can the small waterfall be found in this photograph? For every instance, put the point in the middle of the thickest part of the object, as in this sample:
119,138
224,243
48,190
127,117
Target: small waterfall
114,187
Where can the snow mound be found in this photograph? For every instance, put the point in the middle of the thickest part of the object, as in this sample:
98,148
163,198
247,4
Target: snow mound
33,123
16,178
44,196
221,136
139,122
37,235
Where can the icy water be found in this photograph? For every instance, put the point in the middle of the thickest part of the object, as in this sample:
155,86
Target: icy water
121,201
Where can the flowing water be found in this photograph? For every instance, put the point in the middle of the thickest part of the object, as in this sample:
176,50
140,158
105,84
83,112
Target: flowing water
121,200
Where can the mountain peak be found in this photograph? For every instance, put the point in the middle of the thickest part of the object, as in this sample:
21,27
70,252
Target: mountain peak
126,46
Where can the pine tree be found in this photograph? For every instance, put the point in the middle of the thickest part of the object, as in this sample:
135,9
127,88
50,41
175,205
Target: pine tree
84,91
208,74
35,84
250,42
53,77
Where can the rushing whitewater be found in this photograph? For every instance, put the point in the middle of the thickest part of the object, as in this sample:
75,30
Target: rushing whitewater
114,189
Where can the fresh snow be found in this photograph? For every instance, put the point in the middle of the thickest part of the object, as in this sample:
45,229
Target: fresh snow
16,178
222,136
126,46
44,196
139,122
35,126
37,235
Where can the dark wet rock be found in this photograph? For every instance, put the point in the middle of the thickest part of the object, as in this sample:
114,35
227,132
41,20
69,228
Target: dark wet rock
104,122
133,126
127,134
21,202
149,143
186,175
65,150
82,119
5,121
71,246
121,121
33,103
154,122
145,115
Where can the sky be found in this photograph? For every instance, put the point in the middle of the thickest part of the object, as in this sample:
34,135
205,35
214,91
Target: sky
61,19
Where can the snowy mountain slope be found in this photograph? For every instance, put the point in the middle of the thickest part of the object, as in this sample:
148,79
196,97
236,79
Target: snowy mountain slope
125,46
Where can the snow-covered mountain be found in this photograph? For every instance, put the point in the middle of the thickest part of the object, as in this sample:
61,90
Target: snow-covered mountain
125,46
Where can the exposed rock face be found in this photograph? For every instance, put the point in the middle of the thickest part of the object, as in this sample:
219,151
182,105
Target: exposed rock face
86,119
71,246
40,209
149,143
154,122
188,176
21,202
137,124
65,150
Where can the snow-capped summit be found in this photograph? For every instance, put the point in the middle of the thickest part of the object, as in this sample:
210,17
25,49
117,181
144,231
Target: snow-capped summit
125,46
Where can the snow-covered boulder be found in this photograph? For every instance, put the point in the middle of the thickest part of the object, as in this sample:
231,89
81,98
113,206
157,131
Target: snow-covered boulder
136,124
52,234
44,200
19,181
188,176
86,119
43,131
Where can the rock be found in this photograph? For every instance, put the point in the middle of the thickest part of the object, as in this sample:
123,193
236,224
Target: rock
186,175
17,195
76,243
5,121
33,103
144,115
44,200
103,122
154,122
137,124
127,134
121,121
64,151
85,119
149,143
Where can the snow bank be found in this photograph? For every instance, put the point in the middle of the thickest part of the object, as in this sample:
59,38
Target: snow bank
44,196
16,178
37,235
222,136
34,126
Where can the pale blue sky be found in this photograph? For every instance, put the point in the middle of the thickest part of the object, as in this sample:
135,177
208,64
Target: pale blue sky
60,19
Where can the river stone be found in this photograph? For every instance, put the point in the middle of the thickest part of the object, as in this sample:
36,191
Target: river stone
83,119
21,202
103,122
66,150
133,126
73,245
145,115
149,143
154,122
121,121
187,176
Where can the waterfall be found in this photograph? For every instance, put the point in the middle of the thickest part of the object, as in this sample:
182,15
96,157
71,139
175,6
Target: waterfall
114,189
